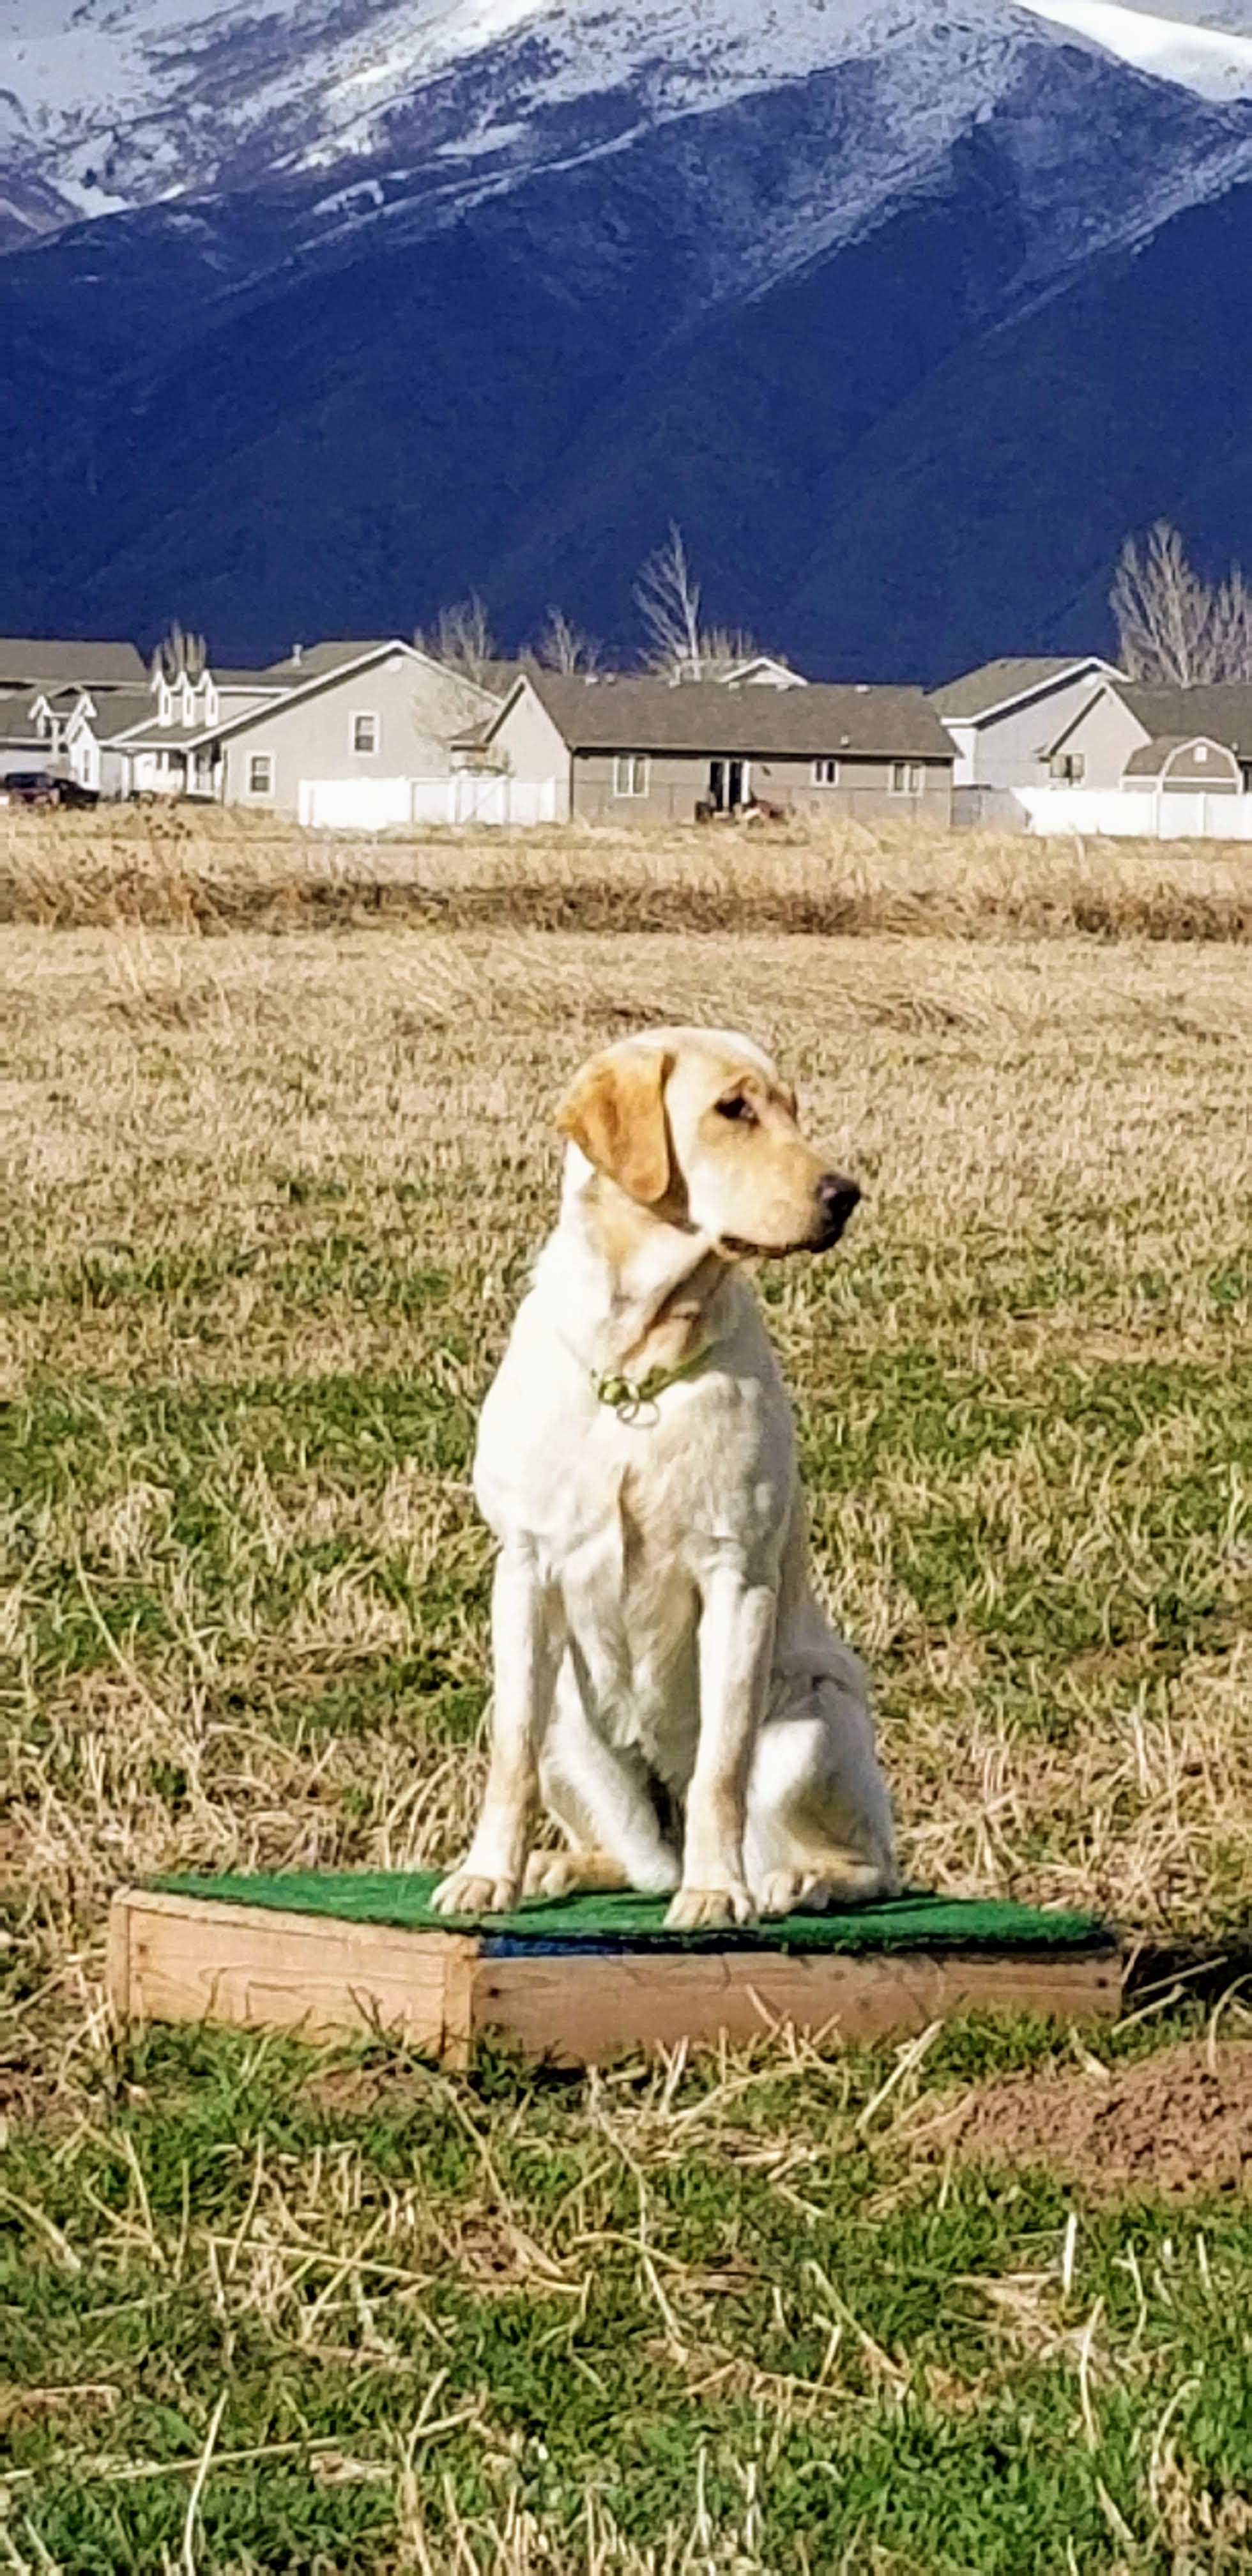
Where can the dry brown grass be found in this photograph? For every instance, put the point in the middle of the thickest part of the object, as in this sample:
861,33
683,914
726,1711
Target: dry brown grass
188,867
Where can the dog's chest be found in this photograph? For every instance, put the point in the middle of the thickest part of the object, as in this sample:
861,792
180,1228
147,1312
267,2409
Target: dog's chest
670,1485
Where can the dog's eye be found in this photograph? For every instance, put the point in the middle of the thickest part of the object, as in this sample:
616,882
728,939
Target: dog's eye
737,1107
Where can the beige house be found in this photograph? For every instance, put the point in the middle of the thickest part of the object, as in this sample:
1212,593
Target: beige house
340,733
656,751
1120,721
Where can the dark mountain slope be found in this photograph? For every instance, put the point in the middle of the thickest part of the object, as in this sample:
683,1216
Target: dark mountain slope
992,504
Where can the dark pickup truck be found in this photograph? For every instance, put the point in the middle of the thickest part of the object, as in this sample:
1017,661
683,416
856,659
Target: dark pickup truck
43,787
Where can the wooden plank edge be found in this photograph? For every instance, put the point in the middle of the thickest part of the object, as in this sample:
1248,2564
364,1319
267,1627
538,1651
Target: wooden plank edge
283,1956
620,2005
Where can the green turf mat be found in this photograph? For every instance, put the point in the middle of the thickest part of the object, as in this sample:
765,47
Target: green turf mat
911,1922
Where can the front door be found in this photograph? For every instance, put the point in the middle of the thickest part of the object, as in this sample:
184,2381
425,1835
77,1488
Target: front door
727,785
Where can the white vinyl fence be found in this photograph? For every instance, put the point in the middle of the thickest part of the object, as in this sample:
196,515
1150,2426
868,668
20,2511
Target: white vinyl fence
1154,813
388,804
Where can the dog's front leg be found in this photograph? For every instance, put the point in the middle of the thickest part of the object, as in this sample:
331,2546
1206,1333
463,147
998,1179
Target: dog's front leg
735,1650
526,1642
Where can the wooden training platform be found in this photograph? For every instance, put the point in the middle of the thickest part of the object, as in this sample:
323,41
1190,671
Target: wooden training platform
581,1980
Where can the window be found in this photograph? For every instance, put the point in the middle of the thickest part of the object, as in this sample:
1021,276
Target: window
630,773
261,773
907,778
365,733
1070,767
825,773
1201,751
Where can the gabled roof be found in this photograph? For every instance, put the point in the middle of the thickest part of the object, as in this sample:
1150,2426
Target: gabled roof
122,711
1151,758
1220,710
315,661
335,661
1000,684
815,722
766,669
46,661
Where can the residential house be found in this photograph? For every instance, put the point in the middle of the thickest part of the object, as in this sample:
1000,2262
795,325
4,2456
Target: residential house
1002,716
45,705
339,733
166,748
652,751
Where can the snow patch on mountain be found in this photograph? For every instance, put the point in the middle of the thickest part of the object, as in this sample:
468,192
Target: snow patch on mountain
1211,60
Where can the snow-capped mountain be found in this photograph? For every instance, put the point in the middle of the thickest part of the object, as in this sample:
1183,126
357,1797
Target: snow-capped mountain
123,103
333,307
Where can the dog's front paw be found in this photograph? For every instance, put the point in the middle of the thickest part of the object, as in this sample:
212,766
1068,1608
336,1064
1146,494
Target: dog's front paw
709,1909
467,1892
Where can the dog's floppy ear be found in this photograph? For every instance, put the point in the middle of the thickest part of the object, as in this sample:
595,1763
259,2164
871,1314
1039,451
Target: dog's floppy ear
615,1112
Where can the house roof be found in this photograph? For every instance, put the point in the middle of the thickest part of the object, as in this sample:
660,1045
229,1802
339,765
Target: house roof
268,682
1220,710
150,735
1151,758
51,662
698,716
317,661
122,711
17,722
1015,675
502,674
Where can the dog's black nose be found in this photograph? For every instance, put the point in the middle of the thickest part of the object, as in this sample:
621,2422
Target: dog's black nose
836,1197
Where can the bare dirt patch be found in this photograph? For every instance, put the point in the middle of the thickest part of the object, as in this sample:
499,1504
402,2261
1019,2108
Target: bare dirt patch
1167,2127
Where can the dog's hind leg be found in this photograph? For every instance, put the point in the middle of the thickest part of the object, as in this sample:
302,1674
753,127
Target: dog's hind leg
601,1796
819,1831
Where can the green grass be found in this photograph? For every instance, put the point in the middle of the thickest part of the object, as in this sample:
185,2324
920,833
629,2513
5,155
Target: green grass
720,2307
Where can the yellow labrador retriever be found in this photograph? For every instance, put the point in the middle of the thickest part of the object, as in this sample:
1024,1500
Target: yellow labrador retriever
662,1673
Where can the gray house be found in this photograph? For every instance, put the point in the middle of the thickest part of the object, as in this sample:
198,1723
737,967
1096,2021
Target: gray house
1002,718
656,751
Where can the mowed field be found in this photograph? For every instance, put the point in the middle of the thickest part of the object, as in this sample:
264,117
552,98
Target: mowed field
276,1148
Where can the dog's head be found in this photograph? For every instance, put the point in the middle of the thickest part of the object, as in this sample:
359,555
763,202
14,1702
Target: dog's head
697,1127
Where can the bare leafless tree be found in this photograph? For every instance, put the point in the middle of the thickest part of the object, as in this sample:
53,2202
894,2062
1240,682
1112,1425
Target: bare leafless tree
724,647
667,596
562,646
1232,628
179,652
461,638
1172,626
